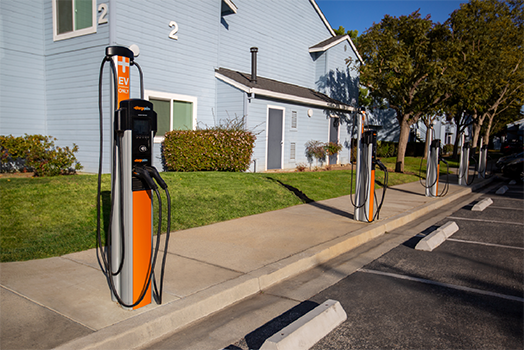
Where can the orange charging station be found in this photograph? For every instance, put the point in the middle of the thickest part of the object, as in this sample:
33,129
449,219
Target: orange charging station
365,185
365,173
129,256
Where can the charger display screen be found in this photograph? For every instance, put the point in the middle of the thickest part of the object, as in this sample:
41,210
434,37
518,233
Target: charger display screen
141,127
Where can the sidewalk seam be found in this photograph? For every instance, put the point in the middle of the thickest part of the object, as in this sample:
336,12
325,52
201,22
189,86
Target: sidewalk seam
46,307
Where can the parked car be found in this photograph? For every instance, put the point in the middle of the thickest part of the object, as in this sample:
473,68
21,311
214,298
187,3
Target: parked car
513,146
507,159
514,169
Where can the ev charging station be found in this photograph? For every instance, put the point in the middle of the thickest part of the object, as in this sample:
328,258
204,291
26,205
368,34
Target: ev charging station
433,159
365,173
483,160
128,256
463,174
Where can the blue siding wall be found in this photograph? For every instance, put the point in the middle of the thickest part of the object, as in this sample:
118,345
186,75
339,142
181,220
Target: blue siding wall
22,73
282,30
340,81
72,70
184,66
56,82
230,103
308,128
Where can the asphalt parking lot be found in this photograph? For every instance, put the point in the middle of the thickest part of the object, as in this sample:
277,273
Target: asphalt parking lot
466,294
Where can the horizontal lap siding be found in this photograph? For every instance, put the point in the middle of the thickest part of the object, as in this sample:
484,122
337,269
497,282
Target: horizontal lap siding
282,30
68,69
340,81
22,77
72,70
184,66
230,103
308,128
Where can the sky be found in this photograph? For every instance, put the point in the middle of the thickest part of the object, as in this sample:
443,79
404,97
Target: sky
360,14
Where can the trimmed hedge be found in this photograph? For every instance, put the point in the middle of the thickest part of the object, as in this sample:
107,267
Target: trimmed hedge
37,153
214,149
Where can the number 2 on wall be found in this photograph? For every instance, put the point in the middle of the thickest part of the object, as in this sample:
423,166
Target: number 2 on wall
174,30
103,16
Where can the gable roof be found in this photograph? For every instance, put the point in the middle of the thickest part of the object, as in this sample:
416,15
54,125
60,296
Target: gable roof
279,90
334,36
326,23
329,43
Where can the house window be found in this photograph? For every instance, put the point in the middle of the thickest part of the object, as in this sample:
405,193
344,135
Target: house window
294,119
174,112
293,151
72,18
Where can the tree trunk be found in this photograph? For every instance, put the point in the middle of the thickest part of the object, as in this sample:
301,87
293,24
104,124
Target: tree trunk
488,130
402,143
476,132
477,127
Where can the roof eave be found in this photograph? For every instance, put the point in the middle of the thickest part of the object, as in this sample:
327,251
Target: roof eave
283,96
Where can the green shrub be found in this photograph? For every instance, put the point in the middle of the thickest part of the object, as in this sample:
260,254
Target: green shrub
386,149
447,149
39,154
210,149
333,148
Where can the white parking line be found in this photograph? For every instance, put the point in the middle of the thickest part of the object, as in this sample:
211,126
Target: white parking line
484,243
492,221
446,285
492,207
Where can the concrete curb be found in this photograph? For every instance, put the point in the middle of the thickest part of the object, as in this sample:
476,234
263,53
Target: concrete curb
308,329
138,331
437,237
483,204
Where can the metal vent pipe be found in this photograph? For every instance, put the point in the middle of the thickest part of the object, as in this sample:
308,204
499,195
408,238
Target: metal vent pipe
254,51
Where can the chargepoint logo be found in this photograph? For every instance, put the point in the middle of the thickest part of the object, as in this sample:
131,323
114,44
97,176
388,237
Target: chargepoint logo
138,108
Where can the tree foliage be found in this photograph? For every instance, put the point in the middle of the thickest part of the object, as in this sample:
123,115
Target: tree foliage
488,38
406,59
353,34
470,67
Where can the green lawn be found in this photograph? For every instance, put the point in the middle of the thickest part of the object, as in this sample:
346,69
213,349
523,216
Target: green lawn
45,217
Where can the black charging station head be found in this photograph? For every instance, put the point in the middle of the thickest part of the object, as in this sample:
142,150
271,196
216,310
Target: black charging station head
136,108
119,51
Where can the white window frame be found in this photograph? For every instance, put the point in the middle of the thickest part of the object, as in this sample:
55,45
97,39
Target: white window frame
166,96
74,33
294,115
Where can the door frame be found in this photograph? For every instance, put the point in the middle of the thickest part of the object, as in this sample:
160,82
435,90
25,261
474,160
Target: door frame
332,118
283,109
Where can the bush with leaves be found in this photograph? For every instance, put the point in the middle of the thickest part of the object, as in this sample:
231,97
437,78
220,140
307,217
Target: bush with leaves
216,149
39,154
386,149
447,149
333,148
315,150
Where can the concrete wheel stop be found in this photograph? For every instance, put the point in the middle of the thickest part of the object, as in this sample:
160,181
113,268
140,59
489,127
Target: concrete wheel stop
483,204
308,329
437,237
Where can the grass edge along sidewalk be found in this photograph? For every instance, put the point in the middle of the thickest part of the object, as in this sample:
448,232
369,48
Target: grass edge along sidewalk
53,216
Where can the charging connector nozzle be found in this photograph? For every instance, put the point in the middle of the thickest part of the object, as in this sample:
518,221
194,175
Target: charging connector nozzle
154,173
143,174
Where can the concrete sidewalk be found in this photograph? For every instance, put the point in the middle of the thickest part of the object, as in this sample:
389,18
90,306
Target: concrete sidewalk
65,302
